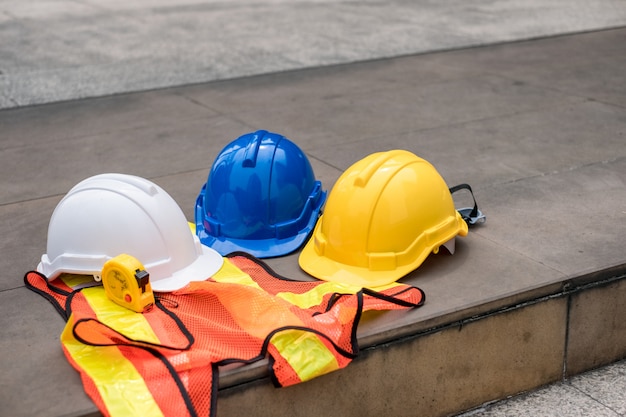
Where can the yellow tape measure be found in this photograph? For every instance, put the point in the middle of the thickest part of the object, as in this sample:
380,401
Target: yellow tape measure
127,283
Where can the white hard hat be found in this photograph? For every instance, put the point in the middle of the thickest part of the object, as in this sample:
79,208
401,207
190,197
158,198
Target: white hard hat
109,214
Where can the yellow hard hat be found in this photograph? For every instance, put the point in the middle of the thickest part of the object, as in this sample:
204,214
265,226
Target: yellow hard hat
384,216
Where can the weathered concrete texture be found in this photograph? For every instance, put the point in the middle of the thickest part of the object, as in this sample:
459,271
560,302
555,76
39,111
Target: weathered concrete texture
573,240
604,385
556,400
594,393
433,375
63,50
597,329
29,339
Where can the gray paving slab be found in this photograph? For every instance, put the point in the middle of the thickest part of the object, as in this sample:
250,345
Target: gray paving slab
30,126
545,221
563,65
186,145
370,117
556,400
32,382
594,393
24,234
62,50
605,385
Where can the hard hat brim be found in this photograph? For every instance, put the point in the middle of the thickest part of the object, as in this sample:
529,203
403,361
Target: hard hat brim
327,269
260,248
204,267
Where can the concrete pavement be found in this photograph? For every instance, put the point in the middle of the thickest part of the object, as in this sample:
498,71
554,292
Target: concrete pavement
598,393
70,49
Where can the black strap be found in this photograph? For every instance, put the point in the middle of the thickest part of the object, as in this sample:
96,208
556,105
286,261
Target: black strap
471,215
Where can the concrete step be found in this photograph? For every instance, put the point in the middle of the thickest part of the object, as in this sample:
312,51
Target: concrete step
461,360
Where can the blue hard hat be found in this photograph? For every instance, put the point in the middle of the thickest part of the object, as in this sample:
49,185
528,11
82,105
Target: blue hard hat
261,197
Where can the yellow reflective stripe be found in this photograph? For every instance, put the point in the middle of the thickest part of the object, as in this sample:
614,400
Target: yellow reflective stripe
121,387
74,280
305,352
230,274
131,324
315,296
386,287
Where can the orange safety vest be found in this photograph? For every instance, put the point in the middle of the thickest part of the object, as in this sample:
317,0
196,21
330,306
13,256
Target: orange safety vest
164,362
